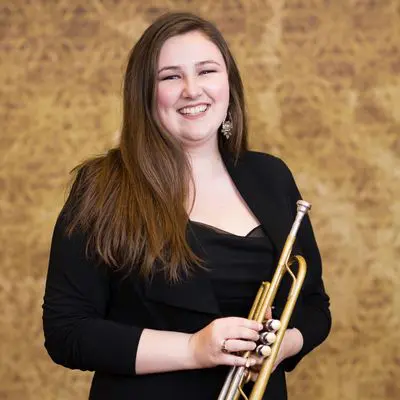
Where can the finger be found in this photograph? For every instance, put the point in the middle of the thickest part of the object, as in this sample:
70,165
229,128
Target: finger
258,362
268,314
234,345
240,332
246,323
237,361
253,376
259,359
256,368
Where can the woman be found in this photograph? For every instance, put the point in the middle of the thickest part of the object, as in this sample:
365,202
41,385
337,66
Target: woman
163,242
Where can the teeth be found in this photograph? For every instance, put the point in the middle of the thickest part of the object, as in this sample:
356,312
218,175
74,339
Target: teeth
193,110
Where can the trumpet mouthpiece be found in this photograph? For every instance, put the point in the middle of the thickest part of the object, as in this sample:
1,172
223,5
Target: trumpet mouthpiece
303,206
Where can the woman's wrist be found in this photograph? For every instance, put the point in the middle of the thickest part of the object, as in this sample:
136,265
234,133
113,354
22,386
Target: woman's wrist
190,359
162,351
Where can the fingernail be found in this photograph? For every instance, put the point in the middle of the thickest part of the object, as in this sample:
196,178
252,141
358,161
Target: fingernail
250,362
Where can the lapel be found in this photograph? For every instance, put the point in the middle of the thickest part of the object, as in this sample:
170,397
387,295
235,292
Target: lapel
263,196
265,200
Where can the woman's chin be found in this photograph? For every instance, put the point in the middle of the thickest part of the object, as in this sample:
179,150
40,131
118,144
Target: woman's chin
198,137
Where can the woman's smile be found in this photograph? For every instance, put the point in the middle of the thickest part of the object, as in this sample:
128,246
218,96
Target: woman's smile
194,111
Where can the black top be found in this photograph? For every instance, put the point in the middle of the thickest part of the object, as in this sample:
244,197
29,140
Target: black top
237,264
93,318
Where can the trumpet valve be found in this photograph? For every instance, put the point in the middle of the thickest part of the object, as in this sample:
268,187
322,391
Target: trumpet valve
272,325
267,338
263,350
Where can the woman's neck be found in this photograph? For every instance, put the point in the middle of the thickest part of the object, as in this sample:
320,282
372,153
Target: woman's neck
205,161
207,167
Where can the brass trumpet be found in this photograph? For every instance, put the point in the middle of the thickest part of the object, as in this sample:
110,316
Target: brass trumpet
239,376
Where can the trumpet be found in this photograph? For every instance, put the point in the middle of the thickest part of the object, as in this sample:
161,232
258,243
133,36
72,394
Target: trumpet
239,376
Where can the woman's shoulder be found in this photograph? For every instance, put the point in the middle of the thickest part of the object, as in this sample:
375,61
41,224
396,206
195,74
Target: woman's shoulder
94,166
89,181
93,171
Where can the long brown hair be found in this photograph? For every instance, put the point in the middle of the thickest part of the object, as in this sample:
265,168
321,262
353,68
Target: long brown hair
131,201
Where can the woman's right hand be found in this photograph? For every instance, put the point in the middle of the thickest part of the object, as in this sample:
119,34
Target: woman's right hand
217,343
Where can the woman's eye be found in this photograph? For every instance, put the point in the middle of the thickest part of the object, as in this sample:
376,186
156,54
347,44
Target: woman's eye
207,71
169,77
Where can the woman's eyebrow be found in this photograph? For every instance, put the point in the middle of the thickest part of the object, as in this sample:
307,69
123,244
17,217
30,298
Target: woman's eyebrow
177,67
207,62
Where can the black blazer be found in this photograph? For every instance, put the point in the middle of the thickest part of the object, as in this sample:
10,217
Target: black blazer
93,318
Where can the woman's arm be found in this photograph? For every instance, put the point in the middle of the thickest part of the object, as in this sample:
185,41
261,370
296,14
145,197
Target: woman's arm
315,320
78,336
75,304
161,351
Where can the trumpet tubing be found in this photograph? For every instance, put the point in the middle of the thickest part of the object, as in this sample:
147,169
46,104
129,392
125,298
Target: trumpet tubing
239,376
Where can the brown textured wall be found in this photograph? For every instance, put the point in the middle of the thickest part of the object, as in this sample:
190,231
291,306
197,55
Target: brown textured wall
323,86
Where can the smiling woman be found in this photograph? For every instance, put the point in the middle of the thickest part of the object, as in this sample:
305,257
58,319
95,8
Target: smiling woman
192,86
161,246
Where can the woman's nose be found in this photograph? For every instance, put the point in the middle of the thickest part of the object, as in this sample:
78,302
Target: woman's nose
191,88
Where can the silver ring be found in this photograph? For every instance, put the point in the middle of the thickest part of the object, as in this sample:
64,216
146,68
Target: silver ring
223,346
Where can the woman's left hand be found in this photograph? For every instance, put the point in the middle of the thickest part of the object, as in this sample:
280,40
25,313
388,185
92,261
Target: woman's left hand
292,343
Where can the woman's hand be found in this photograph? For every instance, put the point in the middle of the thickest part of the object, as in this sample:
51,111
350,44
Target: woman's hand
217,342
291,344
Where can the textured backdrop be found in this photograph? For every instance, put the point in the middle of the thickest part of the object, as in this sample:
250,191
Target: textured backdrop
323,90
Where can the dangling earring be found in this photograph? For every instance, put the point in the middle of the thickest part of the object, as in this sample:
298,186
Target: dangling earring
227,126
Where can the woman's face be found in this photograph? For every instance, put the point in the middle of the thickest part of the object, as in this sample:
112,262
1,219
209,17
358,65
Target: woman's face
192,88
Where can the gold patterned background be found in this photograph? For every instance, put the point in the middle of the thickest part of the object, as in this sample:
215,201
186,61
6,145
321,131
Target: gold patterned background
323,91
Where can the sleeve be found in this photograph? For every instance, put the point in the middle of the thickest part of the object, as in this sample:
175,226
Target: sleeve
314,320
77,333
